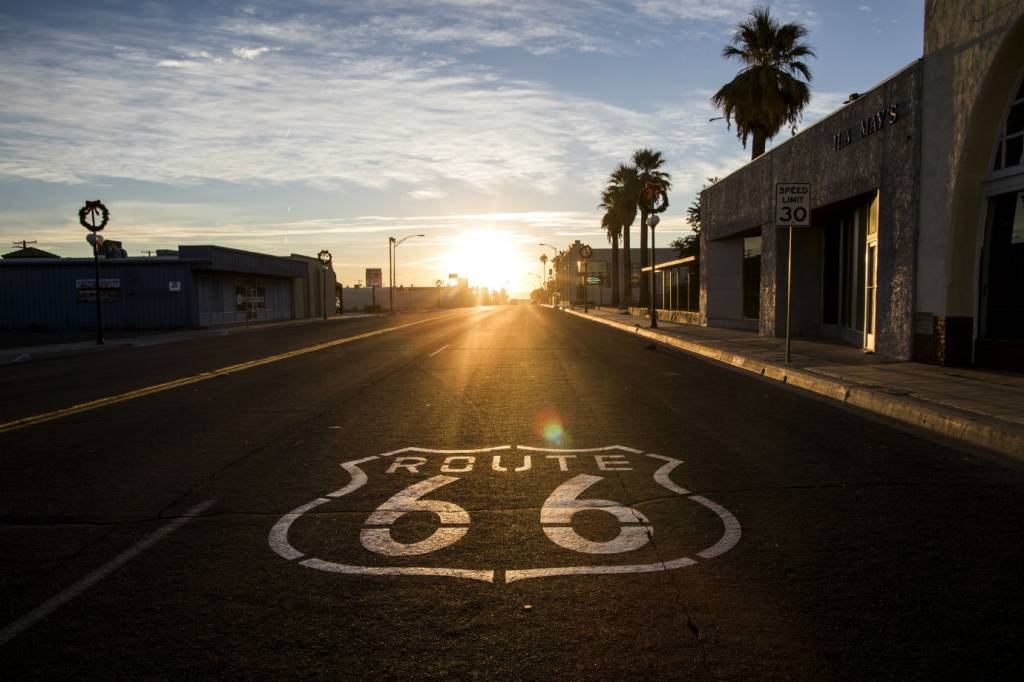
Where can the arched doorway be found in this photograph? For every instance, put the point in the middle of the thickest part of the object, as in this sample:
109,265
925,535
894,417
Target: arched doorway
1000,329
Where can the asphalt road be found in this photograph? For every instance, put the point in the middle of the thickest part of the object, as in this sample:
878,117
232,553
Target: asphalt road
739,530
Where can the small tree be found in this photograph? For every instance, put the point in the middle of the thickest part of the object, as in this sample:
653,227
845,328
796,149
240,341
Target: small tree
689,245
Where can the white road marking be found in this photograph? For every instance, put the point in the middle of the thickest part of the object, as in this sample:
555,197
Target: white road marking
564,503
357,474
732,529
379,541
555,511
661,476
438,350
63,597
496,464
604,449
405,501
526,574
446,452
486,576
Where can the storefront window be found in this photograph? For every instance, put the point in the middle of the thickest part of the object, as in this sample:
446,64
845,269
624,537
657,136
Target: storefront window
752,277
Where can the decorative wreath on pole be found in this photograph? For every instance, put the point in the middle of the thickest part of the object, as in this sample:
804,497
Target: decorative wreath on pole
655,197
90,211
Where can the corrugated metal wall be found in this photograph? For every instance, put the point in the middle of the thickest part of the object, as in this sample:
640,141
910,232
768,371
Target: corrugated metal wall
218,303
42,295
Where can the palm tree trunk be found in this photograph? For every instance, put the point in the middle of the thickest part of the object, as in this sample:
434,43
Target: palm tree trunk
627,268
644,289
757,146
615,271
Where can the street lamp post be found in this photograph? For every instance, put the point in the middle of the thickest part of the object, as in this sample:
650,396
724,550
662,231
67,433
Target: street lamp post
325,263
652,222
393,264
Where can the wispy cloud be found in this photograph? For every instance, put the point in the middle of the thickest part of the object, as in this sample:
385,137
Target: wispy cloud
195,119
251,53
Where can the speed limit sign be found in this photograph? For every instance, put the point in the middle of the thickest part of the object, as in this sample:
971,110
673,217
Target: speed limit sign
792,204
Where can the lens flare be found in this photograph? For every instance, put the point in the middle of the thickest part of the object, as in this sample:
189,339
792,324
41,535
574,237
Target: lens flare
548,425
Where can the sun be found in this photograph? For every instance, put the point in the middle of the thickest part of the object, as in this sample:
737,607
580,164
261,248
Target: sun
490,258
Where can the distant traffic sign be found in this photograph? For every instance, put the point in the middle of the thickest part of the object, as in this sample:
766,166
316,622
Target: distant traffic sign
594,279
792,204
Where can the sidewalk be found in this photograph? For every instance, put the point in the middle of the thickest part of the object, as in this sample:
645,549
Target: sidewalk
116,339
980,407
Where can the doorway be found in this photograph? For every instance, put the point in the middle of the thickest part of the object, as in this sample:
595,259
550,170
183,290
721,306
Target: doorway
1000,342
850,271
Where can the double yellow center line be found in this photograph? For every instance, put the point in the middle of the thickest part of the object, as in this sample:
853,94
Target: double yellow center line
195,379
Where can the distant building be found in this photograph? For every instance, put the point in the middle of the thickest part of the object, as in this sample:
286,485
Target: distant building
199,286
916,243
568,279
30,252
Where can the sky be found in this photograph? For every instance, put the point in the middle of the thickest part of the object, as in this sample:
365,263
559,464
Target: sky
488,126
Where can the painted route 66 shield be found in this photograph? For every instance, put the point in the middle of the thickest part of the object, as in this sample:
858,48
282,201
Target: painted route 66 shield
506,513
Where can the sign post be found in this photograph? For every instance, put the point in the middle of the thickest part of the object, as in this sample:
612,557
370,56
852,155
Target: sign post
374,279
792,209
93,217
585,253
325,261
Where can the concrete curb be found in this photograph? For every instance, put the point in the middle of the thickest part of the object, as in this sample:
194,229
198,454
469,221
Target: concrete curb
977,430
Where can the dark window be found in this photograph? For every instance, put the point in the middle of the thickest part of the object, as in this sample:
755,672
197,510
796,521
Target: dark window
1015,119
752,277
1003,284
861,218
1010,147
830,274
1014,147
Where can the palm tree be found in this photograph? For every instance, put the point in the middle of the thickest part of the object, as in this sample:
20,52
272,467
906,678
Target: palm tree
767,93
648,162
612,226
625,186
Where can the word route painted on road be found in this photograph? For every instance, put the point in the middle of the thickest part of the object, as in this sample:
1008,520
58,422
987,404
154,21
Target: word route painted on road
456,513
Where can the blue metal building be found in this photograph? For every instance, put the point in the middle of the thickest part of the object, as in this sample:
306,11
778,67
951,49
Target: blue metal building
201,286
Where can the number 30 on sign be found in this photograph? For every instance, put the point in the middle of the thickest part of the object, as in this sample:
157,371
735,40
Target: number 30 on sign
792,204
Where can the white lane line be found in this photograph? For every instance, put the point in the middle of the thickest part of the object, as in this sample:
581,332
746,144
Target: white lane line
53,603
438,350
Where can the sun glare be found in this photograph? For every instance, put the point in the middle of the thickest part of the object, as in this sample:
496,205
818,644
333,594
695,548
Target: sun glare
492,259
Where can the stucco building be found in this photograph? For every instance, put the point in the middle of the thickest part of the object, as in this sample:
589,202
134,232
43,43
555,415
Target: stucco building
916,243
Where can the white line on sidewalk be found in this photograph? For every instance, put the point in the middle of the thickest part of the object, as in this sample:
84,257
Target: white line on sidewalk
438,350
53,603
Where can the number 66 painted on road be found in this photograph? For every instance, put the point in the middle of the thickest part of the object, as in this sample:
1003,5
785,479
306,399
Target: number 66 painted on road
556,517
559,508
